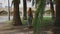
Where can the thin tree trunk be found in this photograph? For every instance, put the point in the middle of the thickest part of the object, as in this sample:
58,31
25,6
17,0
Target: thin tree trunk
33,2
52,9
16,16
24,10
9,10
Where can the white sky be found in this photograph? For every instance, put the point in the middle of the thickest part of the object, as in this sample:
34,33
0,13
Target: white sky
5,3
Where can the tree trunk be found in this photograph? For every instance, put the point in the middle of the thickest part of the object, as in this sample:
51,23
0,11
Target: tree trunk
9,10
52,9
33,1
57,22
16,16
24,10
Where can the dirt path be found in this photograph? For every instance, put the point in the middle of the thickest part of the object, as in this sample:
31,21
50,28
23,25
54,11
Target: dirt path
7,29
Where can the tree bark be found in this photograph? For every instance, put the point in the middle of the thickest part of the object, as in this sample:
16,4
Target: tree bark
57,22
16,16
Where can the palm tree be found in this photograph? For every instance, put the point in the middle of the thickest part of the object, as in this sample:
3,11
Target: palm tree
57,21
24,10
16,16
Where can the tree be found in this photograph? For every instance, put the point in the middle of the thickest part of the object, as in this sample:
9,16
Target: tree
29,0
52,9
33,1
40,5
24,10
54,1
9,10
57,21
16,16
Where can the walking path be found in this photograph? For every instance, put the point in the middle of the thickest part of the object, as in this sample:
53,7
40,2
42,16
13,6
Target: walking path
7,29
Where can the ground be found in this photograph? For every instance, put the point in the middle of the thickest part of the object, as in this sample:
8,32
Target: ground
7,29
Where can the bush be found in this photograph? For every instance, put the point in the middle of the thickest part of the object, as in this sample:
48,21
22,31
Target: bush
3,12
48,11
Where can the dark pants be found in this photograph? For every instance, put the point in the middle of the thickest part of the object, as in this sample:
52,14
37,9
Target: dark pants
29,21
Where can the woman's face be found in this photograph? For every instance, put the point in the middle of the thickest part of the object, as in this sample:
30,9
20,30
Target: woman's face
29,9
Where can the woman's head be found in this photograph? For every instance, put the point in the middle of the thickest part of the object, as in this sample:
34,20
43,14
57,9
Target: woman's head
29,9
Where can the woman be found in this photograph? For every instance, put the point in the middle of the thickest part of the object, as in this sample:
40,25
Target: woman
30,17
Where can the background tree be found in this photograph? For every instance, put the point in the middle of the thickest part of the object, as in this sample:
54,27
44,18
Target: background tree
24,9
52,9
33,2
54,1
16,16
8,10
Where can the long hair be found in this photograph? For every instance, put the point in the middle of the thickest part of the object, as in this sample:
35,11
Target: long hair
30,12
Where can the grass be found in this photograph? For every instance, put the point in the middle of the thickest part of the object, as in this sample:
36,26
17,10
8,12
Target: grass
46,21
24,22
10,24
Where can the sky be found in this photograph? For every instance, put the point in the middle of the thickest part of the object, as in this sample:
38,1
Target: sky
5,3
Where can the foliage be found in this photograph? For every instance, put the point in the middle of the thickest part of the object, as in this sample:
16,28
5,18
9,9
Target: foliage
46,21
3,12
9,23
40,5
24,22
48,11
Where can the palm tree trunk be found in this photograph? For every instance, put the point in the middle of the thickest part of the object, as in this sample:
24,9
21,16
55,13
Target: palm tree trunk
16,16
